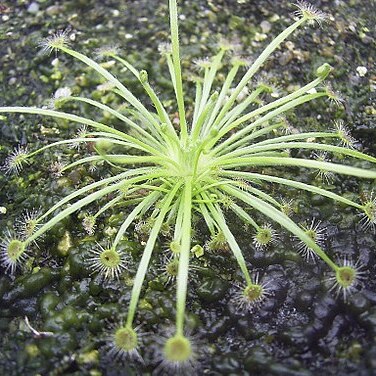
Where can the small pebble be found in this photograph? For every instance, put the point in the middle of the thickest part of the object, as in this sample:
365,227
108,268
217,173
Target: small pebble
290,45
362,71
260,37
285,58
33,8
54,10
265,26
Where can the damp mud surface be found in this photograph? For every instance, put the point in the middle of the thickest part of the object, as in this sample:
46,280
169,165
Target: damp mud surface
303,328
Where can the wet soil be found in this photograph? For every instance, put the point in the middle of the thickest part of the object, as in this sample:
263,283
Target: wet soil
303,329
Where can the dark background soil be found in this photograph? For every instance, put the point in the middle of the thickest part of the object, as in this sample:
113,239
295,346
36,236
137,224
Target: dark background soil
303,329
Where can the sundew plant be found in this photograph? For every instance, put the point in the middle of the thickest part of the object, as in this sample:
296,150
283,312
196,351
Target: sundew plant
205,165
